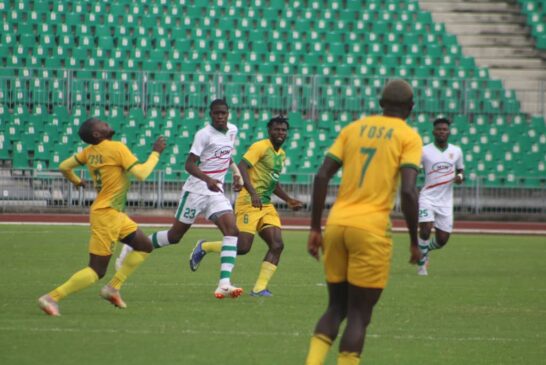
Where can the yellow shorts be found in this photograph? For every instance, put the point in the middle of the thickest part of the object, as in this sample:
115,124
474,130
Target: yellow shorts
107,227
357,256
250,219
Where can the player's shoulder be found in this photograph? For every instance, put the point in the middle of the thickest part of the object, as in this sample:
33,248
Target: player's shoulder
232,127
455,147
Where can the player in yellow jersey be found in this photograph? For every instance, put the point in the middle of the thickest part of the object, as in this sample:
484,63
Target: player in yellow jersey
375,153
109,164
260,168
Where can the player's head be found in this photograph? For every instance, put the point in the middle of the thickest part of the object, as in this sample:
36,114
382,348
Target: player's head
277,128
397,99
94,131
441,130
219,114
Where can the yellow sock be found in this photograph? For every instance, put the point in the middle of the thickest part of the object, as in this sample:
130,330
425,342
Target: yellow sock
131,262
214,246
266,272
348,358
80,280
318,349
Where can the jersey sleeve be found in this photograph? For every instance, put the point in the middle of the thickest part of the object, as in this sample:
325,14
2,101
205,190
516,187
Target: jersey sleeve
126,158
336,150
412,151
81,156
199,143
254,153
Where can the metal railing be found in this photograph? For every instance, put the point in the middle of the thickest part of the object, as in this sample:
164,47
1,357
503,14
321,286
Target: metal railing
49,191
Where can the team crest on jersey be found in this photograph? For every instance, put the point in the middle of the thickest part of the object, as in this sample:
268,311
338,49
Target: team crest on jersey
223,153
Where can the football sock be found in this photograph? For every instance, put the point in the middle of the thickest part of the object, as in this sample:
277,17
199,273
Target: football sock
160,239
348,358
227,259
131,262
266,272
433,245
80,280
318,349
213,246
423,246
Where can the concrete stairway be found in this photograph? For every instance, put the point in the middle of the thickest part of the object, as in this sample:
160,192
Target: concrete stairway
494,32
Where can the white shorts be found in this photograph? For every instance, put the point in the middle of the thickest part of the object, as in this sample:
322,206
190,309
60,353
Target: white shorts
441,216
193,204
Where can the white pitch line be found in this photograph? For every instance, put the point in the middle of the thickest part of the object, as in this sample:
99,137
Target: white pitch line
252,334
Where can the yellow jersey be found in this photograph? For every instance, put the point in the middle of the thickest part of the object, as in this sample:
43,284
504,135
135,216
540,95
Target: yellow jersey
108,163
266,165
371,151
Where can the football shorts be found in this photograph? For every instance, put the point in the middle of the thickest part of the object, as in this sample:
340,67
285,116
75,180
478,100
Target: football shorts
356,256
251,219
107,227
193,204
441,216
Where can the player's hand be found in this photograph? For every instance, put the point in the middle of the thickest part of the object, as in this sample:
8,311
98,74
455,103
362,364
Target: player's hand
415,254
256,201
82,184
159,144
314,244
459,179
237,183
214,185
294,204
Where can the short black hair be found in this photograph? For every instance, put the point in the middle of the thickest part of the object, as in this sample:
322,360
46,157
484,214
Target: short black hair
278,119
86,130
218,102
441,121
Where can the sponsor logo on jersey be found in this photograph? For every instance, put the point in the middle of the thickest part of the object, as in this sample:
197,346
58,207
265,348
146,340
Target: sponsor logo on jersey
442,167
223,153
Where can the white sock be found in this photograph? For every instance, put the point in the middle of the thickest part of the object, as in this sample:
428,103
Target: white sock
423,246
227,259
159,239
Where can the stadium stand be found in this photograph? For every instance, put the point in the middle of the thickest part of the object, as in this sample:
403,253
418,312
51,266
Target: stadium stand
151,67
535,12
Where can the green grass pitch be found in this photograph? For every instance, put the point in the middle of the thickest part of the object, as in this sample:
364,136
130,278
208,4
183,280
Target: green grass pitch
483,303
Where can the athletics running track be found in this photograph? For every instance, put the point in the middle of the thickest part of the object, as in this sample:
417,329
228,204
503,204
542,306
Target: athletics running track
295,223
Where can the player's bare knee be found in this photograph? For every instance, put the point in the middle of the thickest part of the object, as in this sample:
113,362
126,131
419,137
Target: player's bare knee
243,249
276,247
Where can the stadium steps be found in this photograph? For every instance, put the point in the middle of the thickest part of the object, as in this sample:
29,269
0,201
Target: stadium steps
494,33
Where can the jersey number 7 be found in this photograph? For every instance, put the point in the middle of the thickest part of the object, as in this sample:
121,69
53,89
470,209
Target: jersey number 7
368,153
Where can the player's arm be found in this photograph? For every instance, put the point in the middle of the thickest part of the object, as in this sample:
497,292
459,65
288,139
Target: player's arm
410,208
320,187
237,178
143,170
193,169
459,176
254,197
66,168
292,203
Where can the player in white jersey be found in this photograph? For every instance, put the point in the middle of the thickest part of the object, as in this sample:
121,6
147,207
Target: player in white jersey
207,163
443,166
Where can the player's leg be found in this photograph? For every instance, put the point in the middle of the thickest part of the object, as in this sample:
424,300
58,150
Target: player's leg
367,273
273,238
335,267
359,313
426,222
218,210
443,226
105,227
186,212
327,327
244,241
141,247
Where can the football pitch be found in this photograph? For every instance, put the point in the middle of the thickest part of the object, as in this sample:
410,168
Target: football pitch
484,302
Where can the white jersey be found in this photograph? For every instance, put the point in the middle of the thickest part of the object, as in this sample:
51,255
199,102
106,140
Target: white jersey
214,149
440,169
